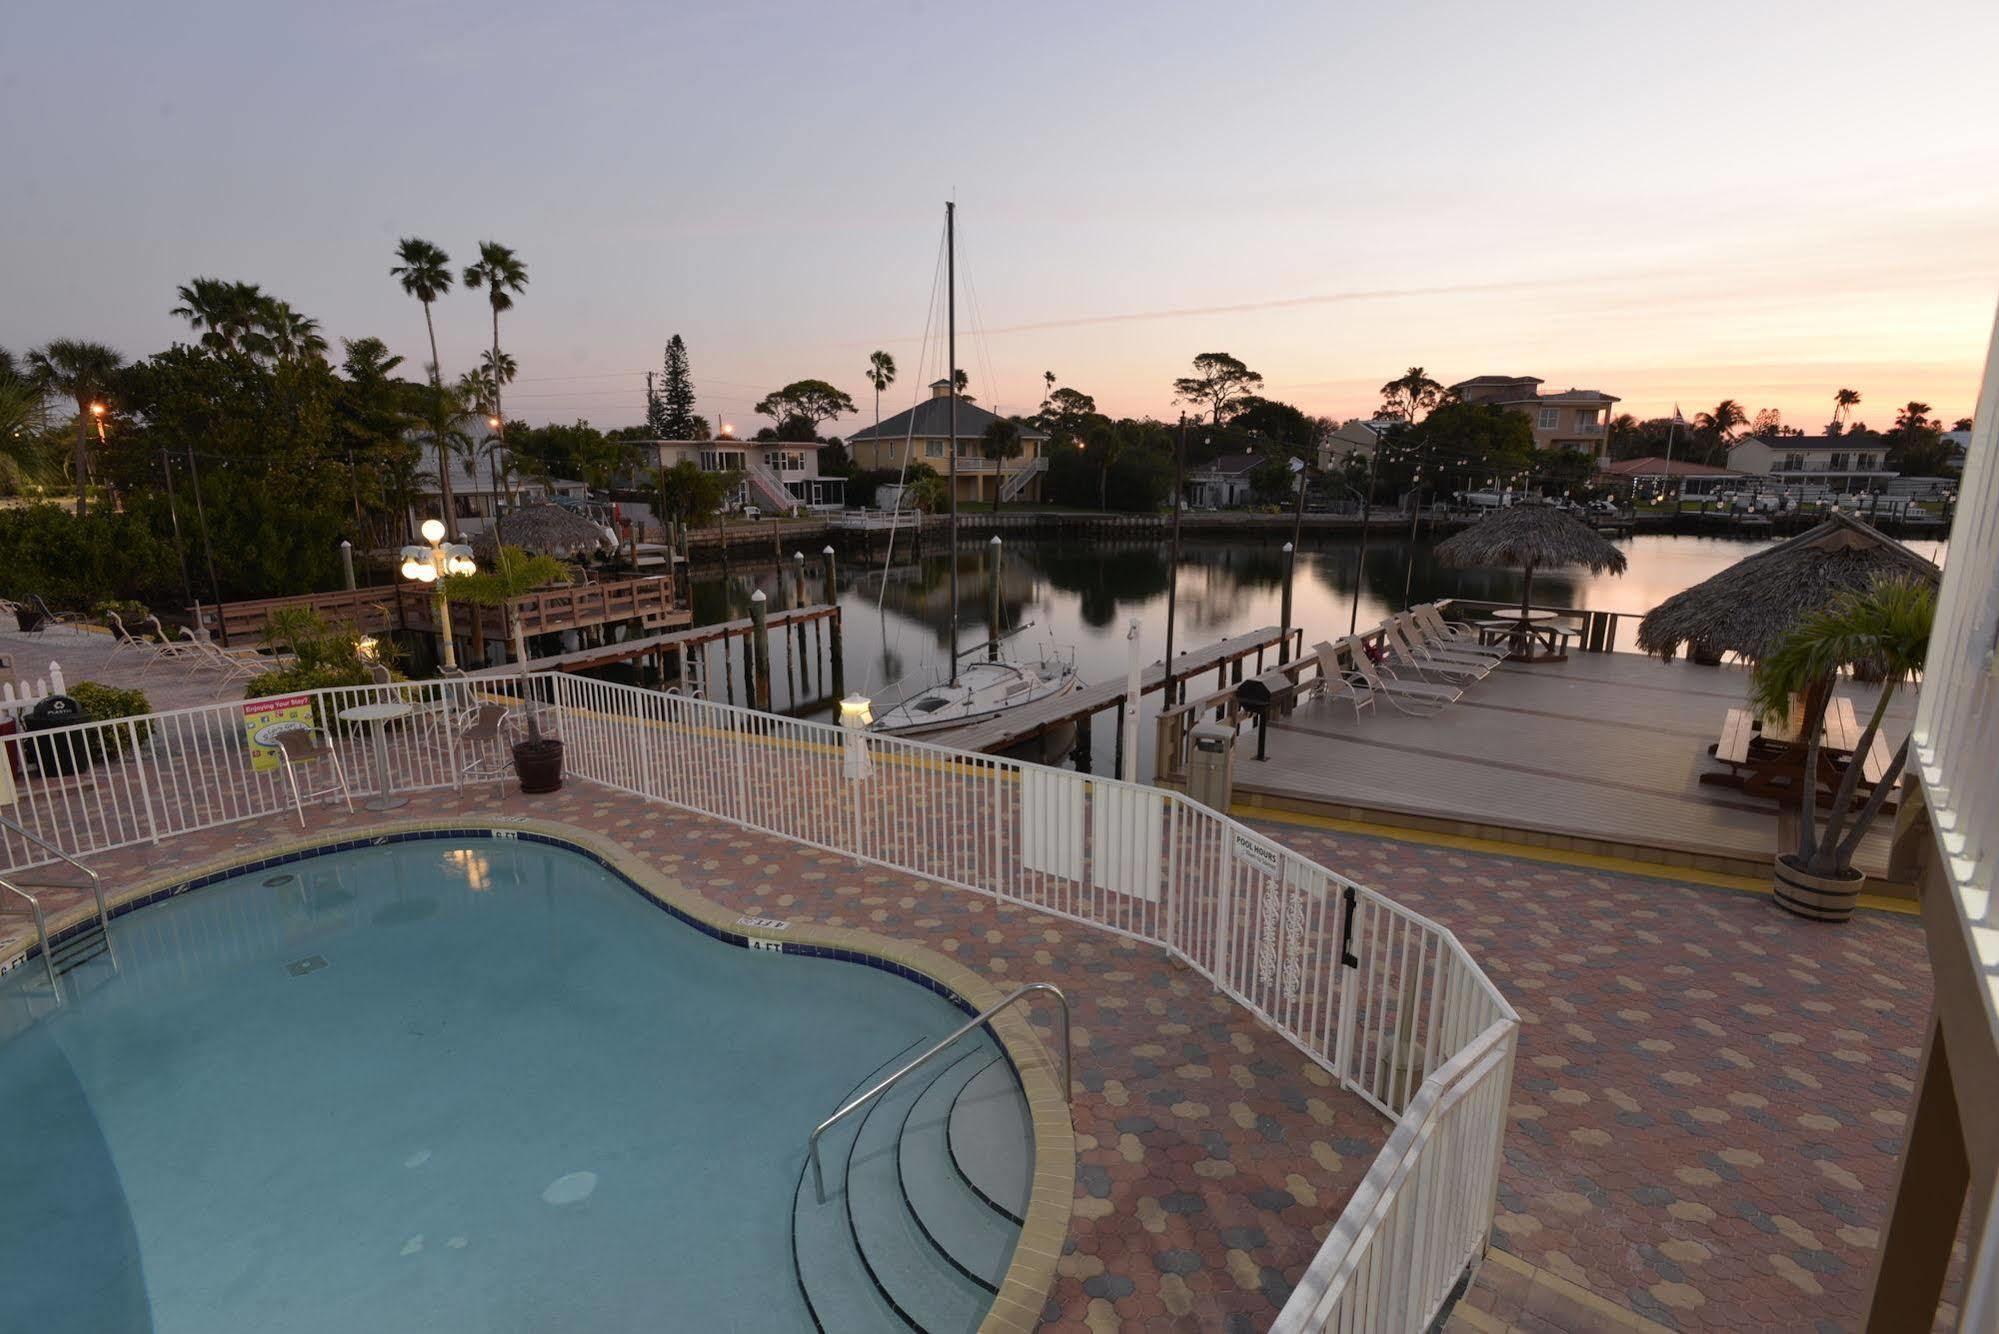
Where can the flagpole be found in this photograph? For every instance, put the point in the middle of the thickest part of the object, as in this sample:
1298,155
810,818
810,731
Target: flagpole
1672,429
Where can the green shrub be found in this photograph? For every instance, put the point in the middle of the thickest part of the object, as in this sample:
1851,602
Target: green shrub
134,614
104,703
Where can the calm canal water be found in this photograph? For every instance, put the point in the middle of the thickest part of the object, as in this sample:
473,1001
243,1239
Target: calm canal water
1085,595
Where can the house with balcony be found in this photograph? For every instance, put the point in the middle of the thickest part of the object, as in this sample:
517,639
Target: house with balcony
777,476
923,434
485,481
1822,462
1574,419
1223,482
1680,476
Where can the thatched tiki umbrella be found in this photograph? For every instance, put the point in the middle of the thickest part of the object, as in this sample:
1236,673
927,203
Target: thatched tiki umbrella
550,529
1530,537
1749,605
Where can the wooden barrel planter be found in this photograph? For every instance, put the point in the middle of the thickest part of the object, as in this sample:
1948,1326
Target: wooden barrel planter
1820,898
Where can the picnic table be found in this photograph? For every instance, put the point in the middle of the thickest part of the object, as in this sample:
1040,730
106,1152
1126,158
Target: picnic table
1764,766
1529,636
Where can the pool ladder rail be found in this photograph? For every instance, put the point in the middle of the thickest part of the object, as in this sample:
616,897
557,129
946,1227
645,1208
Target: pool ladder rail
80,948
929,1053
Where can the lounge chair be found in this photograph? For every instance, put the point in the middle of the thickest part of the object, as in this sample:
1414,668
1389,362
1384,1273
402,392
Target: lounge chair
1461,637
1420,638
1348,660
124,641
166,645
302,746
1405,651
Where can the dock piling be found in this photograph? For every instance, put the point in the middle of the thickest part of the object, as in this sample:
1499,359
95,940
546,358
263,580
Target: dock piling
756,662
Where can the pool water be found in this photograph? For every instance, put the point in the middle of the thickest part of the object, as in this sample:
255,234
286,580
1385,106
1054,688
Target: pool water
475,1085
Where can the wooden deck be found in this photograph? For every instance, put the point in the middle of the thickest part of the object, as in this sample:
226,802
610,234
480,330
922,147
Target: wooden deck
1601,754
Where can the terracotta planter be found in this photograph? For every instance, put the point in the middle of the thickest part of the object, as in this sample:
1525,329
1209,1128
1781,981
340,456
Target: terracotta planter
538,764
1821,898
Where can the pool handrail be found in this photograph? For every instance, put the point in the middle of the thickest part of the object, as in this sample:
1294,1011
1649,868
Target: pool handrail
41,922
818,1175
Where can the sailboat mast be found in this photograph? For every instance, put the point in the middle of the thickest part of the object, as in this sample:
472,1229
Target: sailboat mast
951,373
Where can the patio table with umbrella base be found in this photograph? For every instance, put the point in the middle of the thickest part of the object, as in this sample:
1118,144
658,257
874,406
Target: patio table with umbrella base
1530,537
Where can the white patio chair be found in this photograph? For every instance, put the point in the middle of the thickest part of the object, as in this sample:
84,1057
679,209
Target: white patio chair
1463,638
302,746
1404,652
165,645
1416,698
123,641
1419,638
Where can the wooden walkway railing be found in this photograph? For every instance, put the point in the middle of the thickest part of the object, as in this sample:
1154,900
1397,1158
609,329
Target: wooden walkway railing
649,599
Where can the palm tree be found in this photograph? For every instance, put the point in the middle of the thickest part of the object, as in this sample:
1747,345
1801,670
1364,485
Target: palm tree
881,374
230,317
1884,634
1723,421
1844,401
1000,443
80,371
502,274
425,272
1913,418
1410,393
1048,392
292,335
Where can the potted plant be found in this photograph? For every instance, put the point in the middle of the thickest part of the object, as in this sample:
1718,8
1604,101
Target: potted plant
538,758
1882,635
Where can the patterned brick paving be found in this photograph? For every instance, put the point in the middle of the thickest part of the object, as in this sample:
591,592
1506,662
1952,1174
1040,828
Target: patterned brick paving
1707,1108
1709,1095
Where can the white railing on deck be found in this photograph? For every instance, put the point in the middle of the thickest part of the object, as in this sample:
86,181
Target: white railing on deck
1955,745
1384,998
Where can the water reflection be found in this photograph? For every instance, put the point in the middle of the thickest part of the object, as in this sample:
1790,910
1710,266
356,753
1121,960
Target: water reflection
1084,594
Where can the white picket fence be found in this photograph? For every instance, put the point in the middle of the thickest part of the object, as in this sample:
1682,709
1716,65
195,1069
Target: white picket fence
1382,997
23,693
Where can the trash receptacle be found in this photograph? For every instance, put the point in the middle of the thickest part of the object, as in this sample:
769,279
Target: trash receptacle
55,756
1211,765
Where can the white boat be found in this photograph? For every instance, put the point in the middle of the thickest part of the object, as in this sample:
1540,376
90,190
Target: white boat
982,690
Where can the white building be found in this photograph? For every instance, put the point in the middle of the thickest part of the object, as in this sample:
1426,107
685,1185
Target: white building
777,476
1224,482
476,495
1356,437
1829,462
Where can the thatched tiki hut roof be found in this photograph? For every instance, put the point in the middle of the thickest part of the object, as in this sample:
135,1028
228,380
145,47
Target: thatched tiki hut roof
546,528
1531,537
1746,607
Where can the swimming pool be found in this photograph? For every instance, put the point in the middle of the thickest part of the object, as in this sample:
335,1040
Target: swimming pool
480,1083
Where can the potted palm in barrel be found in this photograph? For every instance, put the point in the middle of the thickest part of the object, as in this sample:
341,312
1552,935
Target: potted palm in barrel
1881,634
515,572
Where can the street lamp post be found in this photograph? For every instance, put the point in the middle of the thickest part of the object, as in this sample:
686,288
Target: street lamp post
428,565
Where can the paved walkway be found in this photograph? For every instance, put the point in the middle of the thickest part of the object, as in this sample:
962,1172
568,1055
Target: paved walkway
1709,1095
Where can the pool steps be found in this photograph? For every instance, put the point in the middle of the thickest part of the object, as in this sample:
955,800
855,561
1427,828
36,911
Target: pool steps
992,1140
903,1238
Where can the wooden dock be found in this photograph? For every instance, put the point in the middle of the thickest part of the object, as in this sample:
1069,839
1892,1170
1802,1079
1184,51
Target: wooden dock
1599,754
1019,726
697,637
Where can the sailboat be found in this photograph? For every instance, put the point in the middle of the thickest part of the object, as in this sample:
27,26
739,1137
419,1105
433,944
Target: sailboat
973,692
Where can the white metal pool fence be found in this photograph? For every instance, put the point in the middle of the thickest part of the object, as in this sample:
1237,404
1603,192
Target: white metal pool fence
1383,998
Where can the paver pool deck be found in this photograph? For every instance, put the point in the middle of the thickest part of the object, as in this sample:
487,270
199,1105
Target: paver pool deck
1708,1097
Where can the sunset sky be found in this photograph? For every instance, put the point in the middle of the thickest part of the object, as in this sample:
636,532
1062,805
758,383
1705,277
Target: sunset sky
1669,203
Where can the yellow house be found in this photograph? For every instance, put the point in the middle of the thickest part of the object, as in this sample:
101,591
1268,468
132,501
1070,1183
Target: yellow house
922,434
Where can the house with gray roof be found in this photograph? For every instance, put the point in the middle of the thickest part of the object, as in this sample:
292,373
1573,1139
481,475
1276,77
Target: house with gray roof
922,434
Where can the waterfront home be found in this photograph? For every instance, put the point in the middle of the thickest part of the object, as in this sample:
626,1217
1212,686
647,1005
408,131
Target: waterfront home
775,475
1223,483
923,434
483,482
1573,419
1831,462
1653,473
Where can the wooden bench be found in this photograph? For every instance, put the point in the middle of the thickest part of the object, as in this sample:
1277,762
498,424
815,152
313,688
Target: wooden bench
1738,729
